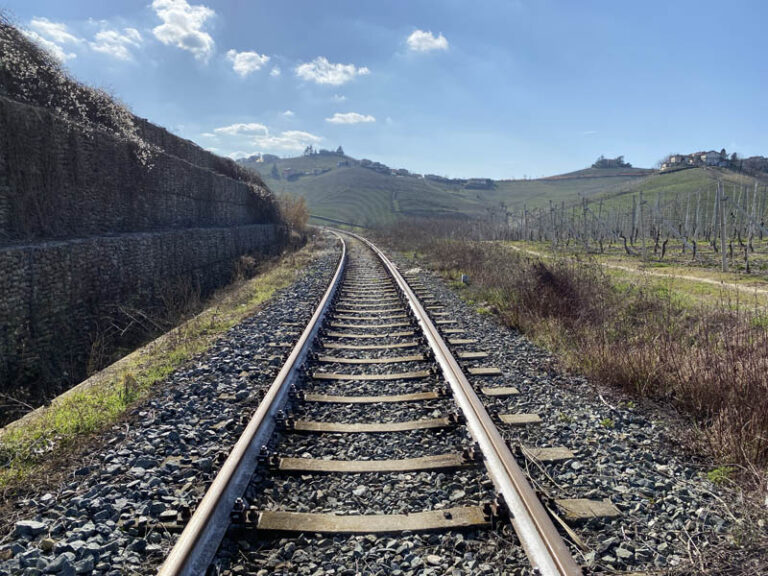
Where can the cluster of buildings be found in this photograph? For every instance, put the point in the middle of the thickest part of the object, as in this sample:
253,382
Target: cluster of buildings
709,158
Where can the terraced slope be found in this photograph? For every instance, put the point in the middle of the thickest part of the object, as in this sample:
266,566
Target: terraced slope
361,196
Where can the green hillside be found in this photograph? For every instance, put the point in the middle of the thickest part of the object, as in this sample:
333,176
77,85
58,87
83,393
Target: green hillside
680,183
565,187
345,190
359,195
689,191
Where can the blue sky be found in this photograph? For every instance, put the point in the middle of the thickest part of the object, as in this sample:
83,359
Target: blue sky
499,88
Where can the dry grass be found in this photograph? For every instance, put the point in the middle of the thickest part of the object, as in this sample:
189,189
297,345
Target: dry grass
710,364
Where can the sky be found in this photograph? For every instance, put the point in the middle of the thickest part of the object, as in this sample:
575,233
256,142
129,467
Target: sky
482,88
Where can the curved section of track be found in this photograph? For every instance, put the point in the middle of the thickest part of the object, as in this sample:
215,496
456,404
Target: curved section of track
377,368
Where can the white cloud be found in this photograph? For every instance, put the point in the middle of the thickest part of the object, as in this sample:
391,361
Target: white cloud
289,114
257,138
183,26
421,41
321,71
242,128
56,51
117,44
51,35
275,71
289,140
54,31
350,118
339,98
244,63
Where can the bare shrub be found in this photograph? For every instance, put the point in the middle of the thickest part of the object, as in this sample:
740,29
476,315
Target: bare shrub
711,364
245,267
294,212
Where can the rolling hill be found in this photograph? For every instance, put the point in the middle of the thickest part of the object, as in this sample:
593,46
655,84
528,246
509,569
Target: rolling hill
344,190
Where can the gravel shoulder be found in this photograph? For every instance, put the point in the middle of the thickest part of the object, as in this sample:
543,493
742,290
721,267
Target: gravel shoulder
674,519
111,511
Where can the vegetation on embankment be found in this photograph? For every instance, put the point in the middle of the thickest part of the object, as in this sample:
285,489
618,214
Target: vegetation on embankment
711,364
691,282
30,446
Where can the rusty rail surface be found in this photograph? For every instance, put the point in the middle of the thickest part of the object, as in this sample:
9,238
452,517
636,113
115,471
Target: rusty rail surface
202,535
545,548
543,544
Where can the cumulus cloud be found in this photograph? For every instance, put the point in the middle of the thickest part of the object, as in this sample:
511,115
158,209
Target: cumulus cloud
339,98
350,118
56,51
117,44
290,140
183,26
289,114
242,128
425,41
275,71
51,36
257,138
321,71
54,31
244,63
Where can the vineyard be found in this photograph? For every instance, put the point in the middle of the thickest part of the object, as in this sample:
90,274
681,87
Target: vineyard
724,226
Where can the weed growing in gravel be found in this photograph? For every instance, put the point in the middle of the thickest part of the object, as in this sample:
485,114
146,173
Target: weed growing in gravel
720,474
607,423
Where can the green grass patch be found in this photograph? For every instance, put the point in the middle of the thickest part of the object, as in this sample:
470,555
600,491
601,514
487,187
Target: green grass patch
720,474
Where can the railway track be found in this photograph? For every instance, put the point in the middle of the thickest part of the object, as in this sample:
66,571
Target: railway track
377,387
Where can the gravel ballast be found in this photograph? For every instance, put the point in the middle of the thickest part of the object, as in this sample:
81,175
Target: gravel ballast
109,518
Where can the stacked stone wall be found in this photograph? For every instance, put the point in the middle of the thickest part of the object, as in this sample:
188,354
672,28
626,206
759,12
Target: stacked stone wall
90,224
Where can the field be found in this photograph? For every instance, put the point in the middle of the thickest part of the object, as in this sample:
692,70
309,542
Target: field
700,281
689,343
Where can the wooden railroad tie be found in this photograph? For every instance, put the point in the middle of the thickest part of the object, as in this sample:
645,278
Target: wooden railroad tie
370,318
580,509
361,336
370,427
553,454
500,391
369,326
324,523
336,346
485,371
415,375
367,311
412,397
439,462
385,360
461,341
520,419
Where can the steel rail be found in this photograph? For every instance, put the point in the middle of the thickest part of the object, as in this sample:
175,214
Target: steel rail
541,541
202,535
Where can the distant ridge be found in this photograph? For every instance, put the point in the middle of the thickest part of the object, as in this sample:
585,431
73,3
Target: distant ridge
365,193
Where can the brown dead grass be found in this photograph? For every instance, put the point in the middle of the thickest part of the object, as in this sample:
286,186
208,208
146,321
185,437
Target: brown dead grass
710,364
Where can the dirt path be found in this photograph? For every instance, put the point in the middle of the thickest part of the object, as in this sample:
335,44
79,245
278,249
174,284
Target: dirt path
729,285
